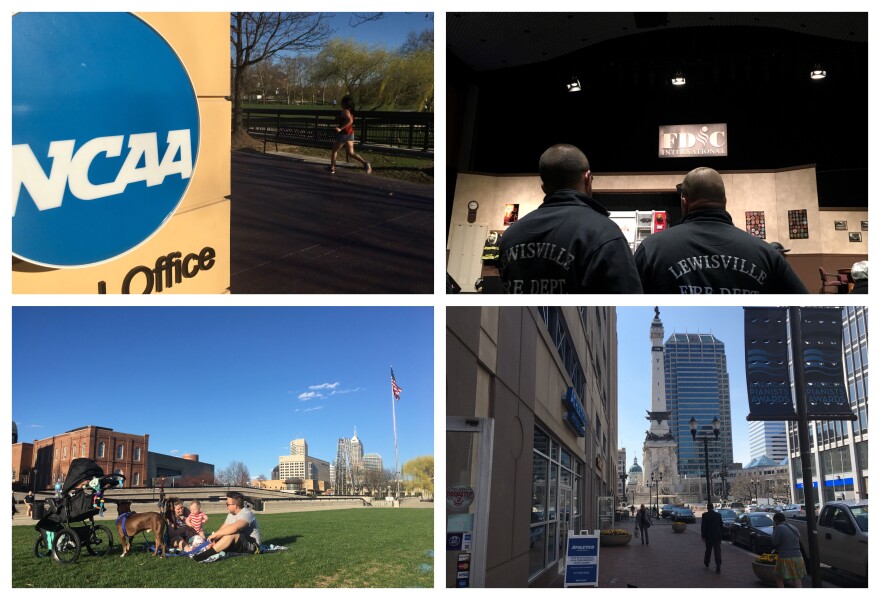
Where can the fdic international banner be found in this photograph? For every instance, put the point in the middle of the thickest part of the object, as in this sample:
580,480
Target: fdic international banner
767,364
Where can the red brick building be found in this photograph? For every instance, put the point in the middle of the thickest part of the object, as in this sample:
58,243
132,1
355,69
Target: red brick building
115,452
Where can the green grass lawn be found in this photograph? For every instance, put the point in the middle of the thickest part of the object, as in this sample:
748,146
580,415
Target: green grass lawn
358,548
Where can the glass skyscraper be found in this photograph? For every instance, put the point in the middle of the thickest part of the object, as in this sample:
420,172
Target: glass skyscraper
767,438
698,386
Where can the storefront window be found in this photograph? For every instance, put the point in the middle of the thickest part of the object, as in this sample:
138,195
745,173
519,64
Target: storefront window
542,442
539,489
555,503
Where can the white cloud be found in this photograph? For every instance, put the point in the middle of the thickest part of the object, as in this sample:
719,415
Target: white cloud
309,396
313,408
175,451
357,389
324,386
37,426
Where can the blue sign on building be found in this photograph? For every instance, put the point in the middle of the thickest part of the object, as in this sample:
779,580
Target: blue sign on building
575,416
105,136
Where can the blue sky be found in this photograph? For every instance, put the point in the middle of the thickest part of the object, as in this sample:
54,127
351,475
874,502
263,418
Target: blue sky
230,383
634,363
389,31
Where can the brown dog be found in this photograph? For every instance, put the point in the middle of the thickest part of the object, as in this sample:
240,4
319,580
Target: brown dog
137,522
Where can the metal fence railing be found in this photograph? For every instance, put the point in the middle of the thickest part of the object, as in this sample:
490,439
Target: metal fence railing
401,130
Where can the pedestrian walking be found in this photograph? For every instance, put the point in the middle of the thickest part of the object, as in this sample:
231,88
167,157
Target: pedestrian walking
789,562
29,502
711,529
643,519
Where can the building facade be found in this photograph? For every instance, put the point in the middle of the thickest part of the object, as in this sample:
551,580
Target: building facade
768,438
185,469
698,387
542,384
299,465
115,452
839,449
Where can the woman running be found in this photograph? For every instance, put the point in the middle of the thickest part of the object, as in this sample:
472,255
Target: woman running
345,135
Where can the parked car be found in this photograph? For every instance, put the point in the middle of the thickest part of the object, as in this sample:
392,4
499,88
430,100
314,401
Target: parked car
736,505
752,508
795,510
685,515
728,516
666,510
753,531
842,535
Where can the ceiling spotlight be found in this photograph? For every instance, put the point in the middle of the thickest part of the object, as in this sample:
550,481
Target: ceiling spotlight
574,85
817,73
678,79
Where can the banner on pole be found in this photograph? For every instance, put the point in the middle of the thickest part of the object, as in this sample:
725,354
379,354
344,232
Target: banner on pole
767,368
768,359
824,380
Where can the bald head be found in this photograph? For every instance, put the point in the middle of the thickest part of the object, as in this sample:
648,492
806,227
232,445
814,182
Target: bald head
703,188
564,167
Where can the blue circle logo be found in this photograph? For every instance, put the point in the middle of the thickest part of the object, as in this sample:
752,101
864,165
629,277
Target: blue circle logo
105,134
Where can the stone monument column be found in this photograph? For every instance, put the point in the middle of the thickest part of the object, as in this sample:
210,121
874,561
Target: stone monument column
660,456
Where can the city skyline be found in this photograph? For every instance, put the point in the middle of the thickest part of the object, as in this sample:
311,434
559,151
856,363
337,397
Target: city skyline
200,379
634,368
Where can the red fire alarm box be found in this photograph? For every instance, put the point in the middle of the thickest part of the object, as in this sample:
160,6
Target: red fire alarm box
659,221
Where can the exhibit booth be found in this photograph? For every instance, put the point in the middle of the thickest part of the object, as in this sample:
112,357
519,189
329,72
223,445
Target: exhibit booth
774,205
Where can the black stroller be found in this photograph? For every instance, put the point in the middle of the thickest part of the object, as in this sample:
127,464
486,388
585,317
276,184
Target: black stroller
70,523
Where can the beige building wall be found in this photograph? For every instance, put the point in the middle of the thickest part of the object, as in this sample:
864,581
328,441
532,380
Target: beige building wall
201,40
775,193
502,363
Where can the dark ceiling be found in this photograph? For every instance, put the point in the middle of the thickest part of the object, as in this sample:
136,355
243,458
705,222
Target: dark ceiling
748,70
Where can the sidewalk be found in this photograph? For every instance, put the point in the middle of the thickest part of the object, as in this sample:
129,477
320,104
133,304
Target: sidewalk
297,229
674,560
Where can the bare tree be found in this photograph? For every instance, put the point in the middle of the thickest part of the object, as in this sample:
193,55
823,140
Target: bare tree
236,473
256,37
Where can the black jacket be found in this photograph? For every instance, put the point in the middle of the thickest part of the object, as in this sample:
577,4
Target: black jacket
707,254
711,526
568,245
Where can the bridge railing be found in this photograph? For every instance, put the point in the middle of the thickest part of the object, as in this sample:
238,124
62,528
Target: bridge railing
389,129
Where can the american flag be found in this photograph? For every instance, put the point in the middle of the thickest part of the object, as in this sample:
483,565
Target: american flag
395,389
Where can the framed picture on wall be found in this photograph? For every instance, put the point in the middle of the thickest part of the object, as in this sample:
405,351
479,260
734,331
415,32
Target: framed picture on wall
864,226
855,237
511,213
840,226
797,225
755,224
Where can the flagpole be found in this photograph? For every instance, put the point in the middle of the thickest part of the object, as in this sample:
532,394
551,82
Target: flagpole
394,422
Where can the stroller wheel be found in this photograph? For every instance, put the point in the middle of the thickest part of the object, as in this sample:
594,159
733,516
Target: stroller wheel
66,547
100,542
41,548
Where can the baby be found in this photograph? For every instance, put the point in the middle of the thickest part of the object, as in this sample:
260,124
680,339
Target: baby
195,520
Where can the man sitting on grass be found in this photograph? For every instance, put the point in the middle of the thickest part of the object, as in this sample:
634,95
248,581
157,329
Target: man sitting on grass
240,532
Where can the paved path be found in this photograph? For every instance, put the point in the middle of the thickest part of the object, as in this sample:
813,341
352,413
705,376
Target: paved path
297,229
675,560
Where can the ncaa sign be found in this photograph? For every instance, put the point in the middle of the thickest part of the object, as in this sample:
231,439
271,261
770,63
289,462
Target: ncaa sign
105,134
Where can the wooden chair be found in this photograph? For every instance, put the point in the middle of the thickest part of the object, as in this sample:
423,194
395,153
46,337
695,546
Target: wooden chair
831,281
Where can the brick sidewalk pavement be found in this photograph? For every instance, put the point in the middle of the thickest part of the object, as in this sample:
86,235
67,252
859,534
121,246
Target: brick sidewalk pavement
674,560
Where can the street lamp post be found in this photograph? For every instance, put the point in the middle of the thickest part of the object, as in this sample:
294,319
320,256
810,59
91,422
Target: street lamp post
704,437
656,481
723,476
35,482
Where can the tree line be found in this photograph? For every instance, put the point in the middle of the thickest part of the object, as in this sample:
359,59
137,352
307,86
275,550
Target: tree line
292,58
